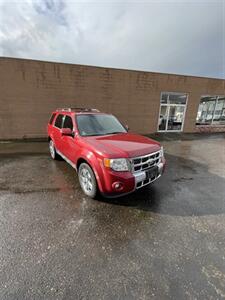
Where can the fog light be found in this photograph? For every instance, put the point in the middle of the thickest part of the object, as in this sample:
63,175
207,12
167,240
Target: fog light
117,185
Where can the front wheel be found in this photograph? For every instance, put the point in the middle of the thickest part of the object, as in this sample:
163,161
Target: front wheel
87,180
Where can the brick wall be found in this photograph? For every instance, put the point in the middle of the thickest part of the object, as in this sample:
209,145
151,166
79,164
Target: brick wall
30,90
208,128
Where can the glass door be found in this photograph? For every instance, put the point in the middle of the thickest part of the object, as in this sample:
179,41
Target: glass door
163,117
172,112
175,117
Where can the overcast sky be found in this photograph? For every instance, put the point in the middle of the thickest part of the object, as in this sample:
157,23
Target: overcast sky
183,37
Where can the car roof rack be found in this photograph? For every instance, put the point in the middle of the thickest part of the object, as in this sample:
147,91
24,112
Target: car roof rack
78,109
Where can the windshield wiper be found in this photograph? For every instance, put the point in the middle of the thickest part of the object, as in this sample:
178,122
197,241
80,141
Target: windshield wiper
94,134
115,132
107,133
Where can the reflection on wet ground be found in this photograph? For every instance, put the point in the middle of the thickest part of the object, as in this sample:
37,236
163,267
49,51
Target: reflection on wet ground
164,241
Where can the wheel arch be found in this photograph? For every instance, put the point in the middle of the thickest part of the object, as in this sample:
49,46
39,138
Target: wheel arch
82,160
92,166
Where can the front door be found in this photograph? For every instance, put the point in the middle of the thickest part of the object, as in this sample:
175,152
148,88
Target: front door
172,112
69,142
175,117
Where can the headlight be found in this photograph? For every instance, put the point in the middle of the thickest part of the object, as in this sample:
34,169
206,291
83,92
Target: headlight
117,164
161,152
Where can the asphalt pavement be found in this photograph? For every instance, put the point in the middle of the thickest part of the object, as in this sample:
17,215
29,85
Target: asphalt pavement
166,241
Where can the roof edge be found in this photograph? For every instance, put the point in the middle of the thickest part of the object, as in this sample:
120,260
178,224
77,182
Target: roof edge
104,67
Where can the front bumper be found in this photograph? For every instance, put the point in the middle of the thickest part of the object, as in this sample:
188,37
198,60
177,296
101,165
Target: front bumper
128,182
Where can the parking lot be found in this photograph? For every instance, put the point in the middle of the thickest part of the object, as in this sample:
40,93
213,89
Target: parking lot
166,241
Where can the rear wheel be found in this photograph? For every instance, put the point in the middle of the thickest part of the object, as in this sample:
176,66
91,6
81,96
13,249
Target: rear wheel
53,153
87,180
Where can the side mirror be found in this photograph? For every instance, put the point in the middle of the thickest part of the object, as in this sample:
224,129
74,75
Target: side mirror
127,127
67,132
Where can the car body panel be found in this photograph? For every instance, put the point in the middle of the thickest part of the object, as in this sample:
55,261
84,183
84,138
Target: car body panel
123,145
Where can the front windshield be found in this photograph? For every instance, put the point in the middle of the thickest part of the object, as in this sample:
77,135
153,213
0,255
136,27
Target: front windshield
98,124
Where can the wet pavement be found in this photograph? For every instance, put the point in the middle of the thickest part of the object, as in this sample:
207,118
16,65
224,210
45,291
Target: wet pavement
166,241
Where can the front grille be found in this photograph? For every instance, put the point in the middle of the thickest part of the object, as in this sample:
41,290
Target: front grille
145,162
146,181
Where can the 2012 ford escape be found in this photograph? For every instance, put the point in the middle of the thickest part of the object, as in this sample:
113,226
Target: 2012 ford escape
107,157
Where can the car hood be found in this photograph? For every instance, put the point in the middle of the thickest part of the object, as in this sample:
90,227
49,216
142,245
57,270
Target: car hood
123,145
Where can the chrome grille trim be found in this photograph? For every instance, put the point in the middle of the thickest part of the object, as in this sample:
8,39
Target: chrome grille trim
145,182
144,162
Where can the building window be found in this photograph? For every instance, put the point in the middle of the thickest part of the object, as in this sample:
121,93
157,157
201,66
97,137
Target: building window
173,98
211,110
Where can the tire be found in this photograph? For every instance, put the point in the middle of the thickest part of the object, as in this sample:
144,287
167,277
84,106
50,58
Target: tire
87,180
53,153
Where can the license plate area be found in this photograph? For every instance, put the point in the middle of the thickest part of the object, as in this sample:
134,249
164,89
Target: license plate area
152,173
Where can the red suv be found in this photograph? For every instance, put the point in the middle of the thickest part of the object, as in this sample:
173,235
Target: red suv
106,156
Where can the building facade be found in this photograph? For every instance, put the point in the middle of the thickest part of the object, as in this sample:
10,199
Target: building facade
148,102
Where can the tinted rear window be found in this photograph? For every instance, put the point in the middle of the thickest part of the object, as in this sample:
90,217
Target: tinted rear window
52,118
58,121
68,123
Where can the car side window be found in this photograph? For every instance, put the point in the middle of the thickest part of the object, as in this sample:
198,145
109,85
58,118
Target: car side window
68,123
52,118
58,121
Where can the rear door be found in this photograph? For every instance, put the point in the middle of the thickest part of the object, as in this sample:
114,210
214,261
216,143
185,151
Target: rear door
57,137
50,124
